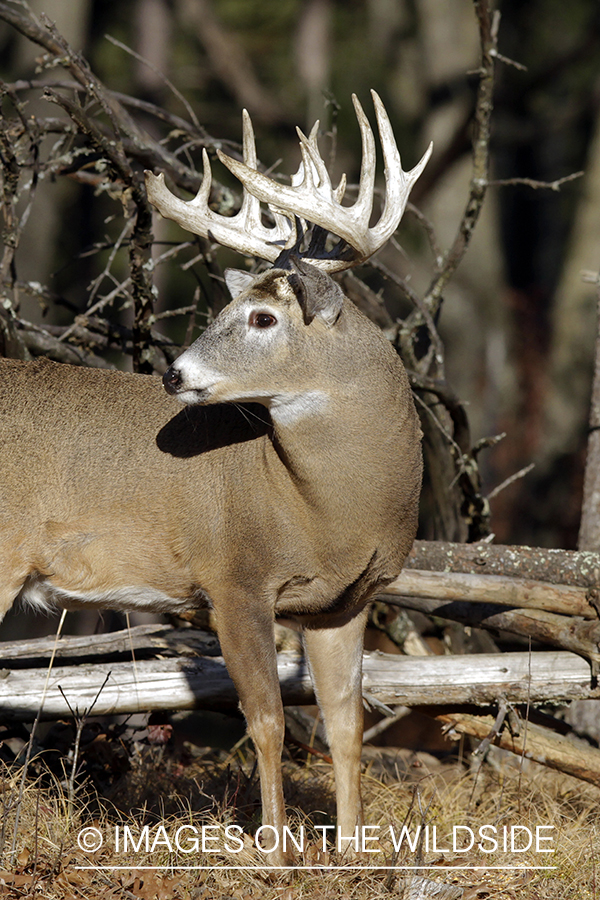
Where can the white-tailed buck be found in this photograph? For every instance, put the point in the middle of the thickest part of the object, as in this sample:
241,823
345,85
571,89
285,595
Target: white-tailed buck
287,484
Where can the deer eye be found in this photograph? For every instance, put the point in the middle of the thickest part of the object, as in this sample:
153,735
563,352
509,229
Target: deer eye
262,319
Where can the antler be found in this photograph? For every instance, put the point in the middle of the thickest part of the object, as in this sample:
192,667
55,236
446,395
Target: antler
310,196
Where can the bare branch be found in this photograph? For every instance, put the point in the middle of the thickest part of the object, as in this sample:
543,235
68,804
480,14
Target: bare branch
427,226
141,232
509,62
510,480
166,80
481,145
536,185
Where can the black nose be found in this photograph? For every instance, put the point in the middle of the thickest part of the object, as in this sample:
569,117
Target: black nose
172,380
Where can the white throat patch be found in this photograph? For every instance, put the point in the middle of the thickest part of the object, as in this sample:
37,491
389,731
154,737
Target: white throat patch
286,409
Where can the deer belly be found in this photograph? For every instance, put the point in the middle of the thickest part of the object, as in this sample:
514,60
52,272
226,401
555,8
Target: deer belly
42,594
74,568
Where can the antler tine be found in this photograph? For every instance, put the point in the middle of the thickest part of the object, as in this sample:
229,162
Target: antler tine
201,198
338,194
248,142
249,213
398,183
363,207
313,161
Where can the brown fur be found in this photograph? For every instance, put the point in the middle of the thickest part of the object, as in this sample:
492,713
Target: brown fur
113,494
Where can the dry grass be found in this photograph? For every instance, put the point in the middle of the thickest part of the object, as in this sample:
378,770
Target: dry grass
400,789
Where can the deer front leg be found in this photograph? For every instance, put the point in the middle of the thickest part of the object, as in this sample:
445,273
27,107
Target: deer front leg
248,645
335,658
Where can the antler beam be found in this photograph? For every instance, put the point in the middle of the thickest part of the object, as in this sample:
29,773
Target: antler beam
310,196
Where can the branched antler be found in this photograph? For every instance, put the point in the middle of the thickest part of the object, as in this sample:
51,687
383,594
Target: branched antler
310,197
244,231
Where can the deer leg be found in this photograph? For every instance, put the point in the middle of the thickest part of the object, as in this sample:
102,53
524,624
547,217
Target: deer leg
248,645
335,659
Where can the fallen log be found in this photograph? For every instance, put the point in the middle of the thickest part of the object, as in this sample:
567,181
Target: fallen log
567,632
140,642
497,589
203,683
552,676
533,742
578,568
141,686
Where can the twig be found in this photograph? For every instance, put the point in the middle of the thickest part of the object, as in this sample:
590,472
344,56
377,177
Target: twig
161,75
400,712
95,285
509,62
486,443
171,313
427,226
121,287
312,751
80,720
482,749
192,319
436,344
455,408
536,185
510,480
452,443
100,304
478,755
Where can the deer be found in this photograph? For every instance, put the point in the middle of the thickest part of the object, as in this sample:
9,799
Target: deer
277,473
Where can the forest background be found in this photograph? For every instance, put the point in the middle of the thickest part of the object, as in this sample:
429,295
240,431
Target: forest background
518,320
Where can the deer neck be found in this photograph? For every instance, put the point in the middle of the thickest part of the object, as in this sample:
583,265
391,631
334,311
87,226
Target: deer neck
331,443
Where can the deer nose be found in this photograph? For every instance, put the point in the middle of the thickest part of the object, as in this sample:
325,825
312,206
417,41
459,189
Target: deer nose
172,380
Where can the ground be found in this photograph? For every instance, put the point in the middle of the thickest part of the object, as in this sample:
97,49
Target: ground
139,796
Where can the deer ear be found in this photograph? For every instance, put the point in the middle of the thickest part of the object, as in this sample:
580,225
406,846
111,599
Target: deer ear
317,293
237,281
